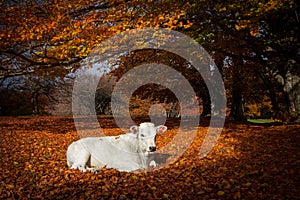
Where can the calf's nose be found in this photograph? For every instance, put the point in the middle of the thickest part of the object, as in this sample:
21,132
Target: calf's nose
152,148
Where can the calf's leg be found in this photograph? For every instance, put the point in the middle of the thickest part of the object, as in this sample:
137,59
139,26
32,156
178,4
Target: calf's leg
77,156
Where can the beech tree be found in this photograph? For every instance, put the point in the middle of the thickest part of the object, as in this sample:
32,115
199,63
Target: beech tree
49,38
262,35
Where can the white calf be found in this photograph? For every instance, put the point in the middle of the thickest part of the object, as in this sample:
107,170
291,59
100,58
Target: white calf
127,152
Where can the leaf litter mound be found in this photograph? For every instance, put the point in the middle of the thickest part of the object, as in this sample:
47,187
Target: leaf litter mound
248,162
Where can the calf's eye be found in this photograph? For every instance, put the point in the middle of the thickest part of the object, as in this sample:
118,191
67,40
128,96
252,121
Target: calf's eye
142,135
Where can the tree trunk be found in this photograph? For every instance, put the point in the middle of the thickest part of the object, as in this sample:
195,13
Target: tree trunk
237,106
272,93
206,104
35,103
237,102
291,86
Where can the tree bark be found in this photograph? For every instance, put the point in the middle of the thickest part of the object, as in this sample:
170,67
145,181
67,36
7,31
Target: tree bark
206,103
237,102
237,106
272,93
291,86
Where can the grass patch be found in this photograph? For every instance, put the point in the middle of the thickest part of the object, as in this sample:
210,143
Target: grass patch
261,120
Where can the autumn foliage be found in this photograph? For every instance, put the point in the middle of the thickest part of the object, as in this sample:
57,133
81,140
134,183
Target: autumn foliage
49,38
248,162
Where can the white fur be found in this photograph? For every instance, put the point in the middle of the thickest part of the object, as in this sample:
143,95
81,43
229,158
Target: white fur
126,152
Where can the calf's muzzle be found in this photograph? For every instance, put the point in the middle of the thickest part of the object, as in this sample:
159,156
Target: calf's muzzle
152,148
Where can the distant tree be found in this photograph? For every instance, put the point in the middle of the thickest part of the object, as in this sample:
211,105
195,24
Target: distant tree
62,104
159,93
26,95
103,95
14,101
42,91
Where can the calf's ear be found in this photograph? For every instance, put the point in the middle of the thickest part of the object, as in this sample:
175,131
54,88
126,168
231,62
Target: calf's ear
134,129
161,129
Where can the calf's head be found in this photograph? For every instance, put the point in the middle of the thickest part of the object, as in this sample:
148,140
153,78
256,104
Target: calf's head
146,135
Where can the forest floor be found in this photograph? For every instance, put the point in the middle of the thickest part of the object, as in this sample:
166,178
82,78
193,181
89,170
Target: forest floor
249,161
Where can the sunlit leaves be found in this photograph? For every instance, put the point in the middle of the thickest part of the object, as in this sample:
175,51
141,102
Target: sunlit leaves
66,31
249,16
